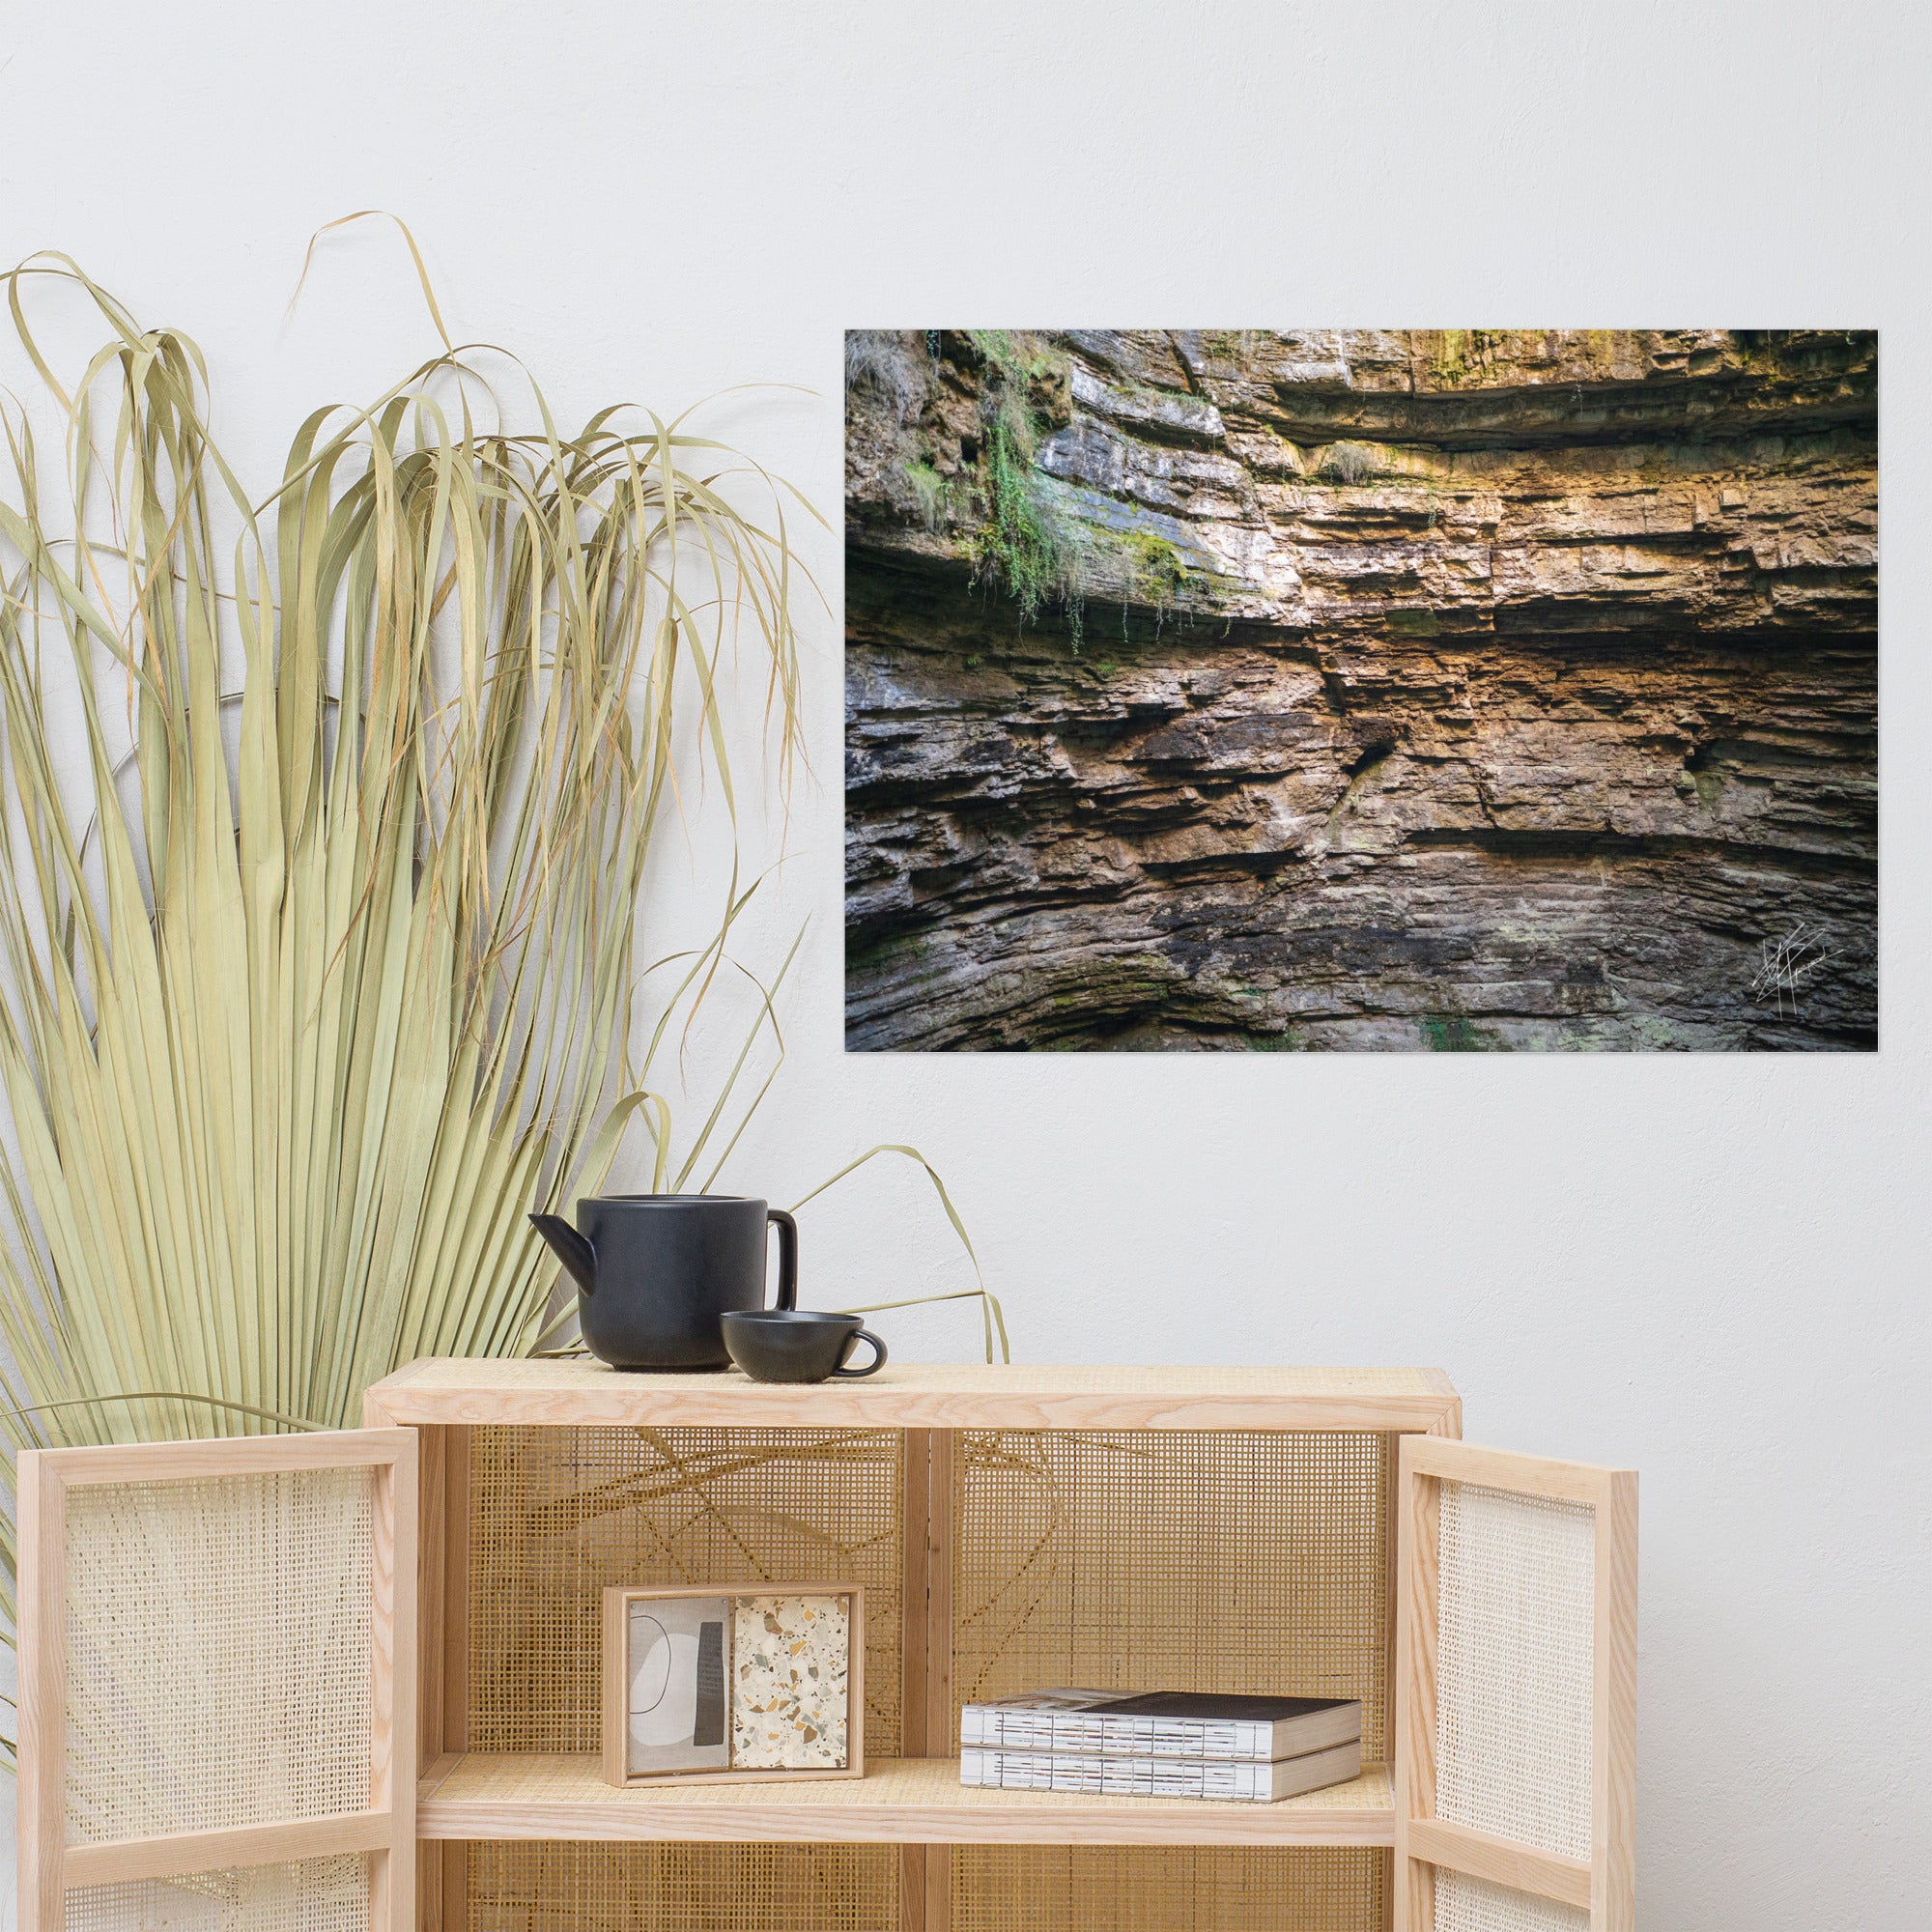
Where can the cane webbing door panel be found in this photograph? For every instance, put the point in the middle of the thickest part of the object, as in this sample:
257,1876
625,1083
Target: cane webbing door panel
1515,1692
218,1696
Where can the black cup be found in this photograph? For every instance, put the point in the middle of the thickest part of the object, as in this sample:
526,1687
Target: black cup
789,1344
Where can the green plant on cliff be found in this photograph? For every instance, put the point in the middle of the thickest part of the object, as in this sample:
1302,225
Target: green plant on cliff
1026,547
1231,344
932,493
1158,571
1453,1033
1021,545
1150,573
1465,352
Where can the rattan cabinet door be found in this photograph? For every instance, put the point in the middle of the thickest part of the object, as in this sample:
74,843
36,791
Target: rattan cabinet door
217,1685
1515,1692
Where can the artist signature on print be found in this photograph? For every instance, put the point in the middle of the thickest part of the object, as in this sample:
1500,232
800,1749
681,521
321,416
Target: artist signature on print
1788,964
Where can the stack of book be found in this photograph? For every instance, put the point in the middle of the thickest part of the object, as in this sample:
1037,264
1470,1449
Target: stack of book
1164,1743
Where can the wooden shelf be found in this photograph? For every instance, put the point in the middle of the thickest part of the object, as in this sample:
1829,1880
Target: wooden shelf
534,1393
898,1802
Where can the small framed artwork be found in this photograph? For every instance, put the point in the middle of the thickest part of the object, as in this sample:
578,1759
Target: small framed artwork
747,1683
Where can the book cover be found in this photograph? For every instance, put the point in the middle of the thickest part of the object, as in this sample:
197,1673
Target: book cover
1162,1723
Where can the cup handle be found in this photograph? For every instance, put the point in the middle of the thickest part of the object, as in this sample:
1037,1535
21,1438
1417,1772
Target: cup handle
873,1367
788,1256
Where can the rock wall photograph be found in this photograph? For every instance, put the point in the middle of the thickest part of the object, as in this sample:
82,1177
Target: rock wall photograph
1431,690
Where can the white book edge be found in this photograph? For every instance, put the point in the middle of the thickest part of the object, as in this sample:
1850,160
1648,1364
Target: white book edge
1225,1781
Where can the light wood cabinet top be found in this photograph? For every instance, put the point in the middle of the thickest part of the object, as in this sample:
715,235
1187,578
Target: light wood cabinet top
914,1395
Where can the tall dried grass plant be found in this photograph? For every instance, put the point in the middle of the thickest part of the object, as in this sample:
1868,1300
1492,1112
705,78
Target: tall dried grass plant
320,971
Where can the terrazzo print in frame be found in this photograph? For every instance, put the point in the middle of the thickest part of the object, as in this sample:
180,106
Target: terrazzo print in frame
704,1682
790,1682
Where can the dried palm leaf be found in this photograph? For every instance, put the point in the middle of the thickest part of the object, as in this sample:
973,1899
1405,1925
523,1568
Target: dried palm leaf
321,972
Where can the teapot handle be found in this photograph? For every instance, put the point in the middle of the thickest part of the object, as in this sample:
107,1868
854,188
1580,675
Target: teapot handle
788,1256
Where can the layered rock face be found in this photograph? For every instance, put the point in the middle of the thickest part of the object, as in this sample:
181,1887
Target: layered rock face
1362,690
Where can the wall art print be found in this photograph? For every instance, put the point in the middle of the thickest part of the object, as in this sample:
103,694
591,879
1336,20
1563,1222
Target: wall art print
677,1699
1466,690
759,1684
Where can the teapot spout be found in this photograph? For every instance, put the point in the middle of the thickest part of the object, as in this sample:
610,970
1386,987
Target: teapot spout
570,1248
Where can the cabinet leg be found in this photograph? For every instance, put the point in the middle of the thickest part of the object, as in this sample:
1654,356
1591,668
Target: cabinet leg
443,1874
926,1888
912,1888
938,1887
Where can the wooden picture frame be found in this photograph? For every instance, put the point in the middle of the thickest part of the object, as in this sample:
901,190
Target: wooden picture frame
615,1726
53,1486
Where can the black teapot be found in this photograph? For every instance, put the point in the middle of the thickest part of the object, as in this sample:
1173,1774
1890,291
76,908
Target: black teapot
656,1272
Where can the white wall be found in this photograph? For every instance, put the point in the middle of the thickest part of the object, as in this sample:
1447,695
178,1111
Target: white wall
1711,1268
